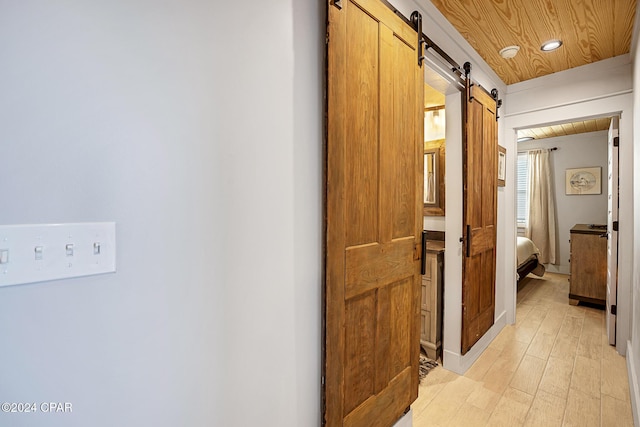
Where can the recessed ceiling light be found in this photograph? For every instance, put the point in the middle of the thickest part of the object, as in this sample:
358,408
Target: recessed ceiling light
509,51
551,45
525,138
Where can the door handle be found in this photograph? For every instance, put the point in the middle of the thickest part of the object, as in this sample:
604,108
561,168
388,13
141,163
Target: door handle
468,242
423,260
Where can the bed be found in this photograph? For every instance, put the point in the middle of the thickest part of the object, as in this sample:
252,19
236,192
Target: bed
527,255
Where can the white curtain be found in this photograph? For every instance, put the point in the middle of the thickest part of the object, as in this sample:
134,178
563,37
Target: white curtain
541,227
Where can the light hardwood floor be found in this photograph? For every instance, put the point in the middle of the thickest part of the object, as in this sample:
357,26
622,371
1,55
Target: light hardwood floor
554,367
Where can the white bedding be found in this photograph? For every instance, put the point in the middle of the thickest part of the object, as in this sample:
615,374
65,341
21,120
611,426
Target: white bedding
526,250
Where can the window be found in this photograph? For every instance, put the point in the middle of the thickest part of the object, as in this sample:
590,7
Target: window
522,175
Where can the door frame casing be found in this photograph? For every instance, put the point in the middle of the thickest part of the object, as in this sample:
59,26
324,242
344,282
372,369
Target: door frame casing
613,170
620,104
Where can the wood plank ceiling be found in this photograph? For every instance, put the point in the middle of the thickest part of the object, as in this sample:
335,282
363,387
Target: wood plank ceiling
591,30
582,126
432,97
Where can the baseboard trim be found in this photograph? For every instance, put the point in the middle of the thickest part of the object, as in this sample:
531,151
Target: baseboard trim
560,269
460,364
633,386
406,420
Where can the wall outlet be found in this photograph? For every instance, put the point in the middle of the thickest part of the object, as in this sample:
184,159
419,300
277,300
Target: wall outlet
42,252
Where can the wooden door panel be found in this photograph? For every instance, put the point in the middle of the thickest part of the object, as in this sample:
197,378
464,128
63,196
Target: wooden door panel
373,222
360,334
474,165
486,293
335,223
470,331
376,265
382,409
490,161
482,239
401,320
404,157
362,128
378,342
485,321
472,293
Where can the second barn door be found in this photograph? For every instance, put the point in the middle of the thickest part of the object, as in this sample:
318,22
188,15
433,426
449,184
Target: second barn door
480,213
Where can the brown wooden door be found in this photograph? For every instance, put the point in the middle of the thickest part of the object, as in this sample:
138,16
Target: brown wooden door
480,212
373,218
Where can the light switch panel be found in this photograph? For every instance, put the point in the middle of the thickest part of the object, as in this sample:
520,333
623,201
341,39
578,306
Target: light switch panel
43,252
4,256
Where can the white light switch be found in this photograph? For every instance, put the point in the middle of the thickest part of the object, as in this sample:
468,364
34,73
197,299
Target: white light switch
45,252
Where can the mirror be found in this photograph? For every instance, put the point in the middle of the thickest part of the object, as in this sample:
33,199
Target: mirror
434,152
430,169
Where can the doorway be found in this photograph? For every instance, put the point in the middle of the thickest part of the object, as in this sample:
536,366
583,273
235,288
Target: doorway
480,314
574,242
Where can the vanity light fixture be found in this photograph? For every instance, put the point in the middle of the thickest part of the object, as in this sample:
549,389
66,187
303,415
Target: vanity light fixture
550,45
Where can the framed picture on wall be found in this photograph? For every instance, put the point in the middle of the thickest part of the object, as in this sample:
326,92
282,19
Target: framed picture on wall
583,181
502,165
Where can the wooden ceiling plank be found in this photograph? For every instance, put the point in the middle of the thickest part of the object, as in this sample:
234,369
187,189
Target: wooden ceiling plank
432,97
624,12
465,20
568,129
550,132
564,129
599,14
590,29
524,20
545,25
534,133
591,125
526,133
484,29
575,34
558,130
580,127
537,133
603,123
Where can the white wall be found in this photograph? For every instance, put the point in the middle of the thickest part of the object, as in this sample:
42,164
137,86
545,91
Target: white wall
576,85
550,100
177,120
434,223
633,350
582,150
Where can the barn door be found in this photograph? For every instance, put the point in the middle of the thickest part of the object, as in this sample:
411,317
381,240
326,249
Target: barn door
480,212
373,218
612,230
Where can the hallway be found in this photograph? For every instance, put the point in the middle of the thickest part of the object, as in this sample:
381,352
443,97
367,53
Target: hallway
554,367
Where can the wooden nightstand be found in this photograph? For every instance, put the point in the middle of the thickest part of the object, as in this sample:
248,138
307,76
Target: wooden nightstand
588,280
